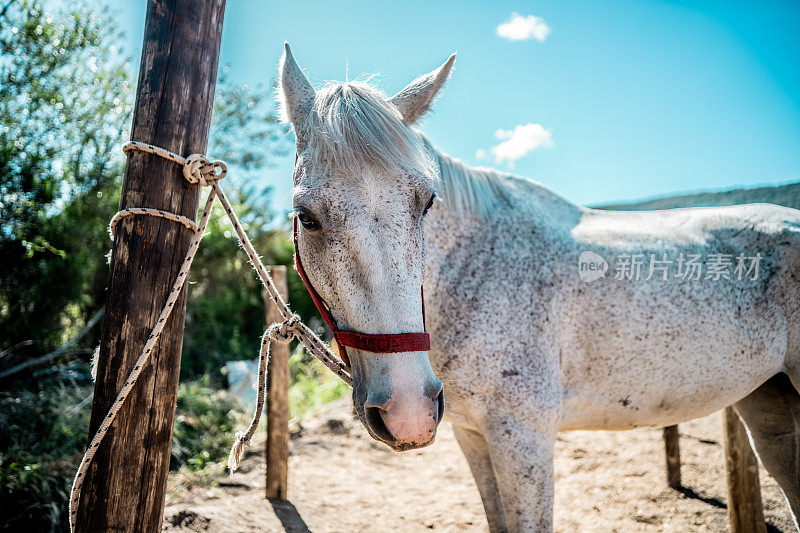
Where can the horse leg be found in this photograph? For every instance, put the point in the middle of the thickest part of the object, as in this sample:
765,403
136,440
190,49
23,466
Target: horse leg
772,416
477,453
522,458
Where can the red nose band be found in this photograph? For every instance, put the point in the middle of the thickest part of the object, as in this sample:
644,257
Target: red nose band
370,342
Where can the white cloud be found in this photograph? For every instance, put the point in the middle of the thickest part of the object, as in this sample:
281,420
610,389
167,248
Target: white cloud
517,143
522,28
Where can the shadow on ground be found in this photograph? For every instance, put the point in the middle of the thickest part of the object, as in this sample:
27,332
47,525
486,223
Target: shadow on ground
287,513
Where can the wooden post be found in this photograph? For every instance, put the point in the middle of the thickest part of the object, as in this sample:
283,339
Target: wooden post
277,447
673,452
745,510
125,487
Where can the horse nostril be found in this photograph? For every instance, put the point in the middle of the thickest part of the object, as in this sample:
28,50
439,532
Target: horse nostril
375,420
439,406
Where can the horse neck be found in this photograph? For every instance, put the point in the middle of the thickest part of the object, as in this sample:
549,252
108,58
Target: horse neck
494,199
448,221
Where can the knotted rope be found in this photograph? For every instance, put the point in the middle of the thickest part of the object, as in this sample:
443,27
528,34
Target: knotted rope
198,169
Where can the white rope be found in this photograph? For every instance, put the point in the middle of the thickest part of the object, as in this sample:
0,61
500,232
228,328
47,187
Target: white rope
198,169
112,226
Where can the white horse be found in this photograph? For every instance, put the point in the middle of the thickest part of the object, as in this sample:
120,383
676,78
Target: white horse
544,316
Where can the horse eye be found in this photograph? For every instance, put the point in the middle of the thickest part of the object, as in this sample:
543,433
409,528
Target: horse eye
307,221
428,206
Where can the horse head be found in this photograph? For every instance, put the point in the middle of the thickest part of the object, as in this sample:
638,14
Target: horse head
363,182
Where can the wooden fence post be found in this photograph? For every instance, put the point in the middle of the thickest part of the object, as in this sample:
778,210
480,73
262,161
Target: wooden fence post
125,487
745,510
673,451
277,446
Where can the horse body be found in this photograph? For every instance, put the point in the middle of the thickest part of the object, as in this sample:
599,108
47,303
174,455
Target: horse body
518,335
657,352
628,353
526,342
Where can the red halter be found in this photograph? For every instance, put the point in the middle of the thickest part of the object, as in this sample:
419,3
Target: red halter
370,342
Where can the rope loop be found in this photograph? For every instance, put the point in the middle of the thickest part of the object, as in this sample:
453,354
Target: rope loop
284,331
198,169
112,226
242,436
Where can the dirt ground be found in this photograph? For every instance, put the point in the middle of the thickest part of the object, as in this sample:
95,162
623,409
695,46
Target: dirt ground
341,480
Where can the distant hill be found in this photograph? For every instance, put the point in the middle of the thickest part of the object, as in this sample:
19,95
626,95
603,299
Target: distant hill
785,195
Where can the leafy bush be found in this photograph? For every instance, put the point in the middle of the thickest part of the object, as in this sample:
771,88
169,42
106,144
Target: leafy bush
312,384
205,421
44,435
41,443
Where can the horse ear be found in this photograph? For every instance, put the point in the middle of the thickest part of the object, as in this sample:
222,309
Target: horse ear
295,93
418,96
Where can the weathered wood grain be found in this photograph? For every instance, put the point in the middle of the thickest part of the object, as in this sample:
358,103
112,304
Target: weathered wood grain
745,509
277,446
672,449
125,487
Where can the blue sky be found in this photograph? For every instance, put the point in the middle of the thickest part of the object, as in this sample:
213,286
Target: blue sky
603,101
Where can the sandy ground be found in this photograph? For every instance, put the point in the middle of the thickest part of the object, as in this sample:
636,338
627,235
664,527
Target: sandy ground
341,480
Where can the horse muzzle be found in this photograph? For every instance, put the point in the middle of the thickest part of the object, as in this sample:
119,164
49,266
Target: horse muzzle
405,423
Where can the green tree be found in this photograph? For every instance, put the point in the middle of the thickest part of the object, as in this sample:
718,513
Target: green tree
64,104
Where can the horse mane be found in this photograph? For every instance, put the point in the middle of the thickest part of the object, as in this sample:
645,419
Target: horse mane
467,189
353,126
